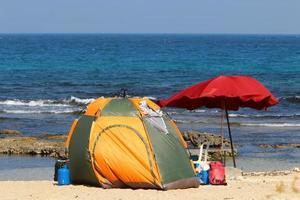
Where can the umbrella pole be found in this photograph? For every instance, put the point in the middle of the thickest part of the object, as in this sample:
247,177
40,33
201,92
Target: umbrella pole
222,132
229,131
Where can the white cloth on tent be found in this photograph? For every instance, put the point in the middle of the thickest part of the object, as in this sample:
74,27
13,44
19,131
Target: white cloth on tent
154,117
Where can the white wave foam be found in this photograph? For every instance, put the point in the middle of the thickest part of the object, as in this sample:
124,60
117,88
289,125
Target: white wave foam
182,121
40,111
79,101
263,116
47,102
236,115
151,98
197,111
33,103
272,124
17,106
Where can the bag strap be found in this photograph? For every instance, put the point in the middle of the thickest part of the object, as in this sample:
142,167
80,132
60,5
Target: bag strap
206,152
200,153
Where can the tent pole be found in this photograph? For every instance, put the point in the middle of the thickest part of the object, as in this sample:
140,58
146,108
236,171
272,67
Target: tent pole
229,131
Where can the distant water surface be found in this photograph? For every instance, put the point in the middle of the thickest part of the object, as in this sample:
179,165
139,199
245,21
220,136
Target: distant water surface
46,80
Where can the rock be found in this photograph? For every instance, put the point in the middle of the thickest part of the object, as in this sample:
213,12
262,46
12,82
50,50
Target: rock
197,138
58,137
280,146
31,146
53,144
10,132
194,139
268,173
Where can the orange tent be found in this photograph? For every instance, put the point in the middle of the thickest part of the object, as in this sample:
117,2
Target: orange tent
128,142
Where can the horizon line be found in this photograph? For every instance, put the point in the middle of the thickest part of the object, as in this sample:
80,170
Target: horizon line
141,33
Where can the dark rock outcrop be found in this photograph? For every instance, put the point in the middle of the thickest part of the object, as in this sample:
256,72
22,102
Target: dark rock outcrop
279,146
10,132
32,146
54,145
56,137
195,139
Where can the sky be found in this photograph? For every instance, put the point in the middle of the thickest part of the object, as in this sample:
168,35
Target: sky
150,16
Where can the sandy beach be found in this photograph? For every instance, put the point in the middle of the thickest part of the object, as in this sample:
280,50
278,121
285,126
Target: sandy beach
246,187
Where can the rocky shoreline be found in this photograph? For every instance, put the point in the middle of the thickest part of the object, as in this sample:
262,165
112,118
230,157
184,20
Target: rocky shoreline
53,145
13,142
196,138
31,146
272,173
280,146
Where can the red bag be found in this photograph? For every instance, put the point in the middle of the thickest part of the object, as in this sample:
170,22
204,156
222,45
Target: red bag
217,174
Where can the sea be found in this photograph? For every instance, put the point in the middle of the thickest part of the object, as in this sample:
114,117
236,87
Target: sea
46,81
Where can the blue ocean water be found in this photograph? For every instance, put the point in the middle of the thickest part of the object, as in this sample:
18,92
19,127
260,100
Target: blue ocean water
47,79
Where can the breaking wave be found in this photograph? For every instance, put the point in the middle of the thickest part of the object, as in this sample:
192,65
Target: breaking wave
77,101
152,98
42,111
72,105
32,103
48,102
179,121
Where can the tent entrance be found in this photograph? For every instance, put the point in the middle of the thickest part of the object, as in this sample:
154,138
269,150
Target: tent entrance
127,154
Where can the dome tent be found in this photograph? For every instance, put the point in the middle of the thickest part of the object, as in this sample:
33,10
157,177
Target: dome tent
128,142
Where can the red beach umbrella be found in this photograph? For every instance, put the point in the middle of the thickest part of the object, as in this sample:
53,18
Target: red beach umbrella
224,92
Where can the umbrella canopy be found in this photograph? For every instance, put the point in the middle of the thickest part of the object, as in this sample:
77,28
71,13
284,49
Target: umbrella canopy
225,92
239,91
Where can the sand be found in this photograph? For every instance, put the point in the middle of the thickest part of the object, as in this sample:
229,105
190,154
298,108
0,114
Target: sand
246,187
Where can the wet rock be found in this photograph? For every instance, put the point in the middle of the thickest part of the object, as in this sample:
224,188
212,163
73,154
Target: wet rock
279,146
268,173
31,146
56,137
10,132
195,138
54,144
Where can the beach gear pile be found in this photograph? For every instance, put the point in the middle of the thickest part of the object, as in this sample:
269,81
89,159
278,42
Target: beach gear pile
209,172
128,142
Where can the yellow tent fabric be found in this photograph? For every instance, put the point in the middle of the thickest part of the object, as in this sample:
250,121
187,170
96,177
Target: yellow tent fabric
118,149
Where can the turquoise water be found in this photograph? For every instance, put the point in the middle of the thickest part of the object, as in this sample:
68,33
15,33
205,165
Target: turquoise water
46,80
